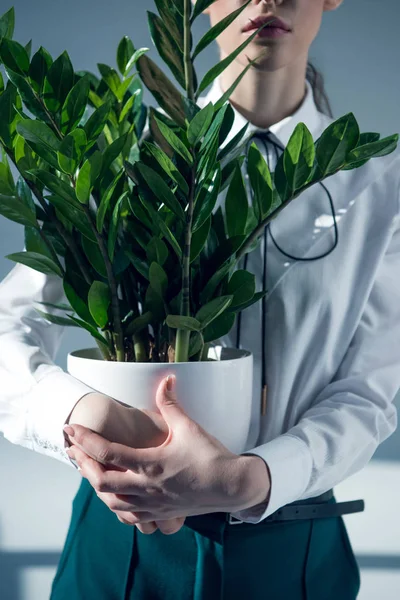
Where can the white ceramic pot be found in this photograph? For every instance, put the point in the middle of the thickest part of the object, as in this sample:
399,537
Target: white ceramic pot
217,393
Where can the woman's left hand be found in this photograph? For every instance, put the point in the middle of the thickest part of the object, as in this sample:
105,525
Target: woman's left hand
191,473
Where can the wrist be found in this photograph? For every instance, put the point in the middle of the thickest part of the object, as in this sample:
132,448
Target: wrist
94,400
256,483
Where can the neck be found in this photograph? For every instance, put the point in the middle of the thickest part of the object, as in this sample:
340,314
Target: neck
265,97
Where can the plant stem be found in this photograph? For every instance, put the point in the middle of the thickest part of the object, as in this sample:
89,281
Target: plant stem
186,51
118,336
183,335
104,351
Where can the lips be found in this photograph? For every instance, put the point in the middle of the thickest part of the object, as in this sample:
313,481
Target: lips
261,20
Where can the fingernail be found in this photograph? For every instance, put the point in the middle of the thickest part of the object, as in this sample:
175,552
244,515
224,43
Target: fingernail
68,429
170,382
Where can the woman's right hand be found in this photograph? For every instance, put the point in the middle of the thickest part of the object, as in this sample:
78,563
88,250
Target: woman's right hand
118,422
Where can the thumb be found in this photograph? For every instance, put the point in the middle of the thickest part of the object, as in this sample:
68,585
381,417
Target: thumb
167,401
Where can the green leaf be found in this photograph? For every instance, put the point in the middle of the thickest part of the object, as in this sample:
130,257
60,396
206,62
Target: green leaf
113,151
63,321
157,218
215,31
166,46
215,280
113,232
57,186
74,215
219,327
105,201
160,189
173,20
127,108
199,239
139,323
111,78
164,92
236,205
215,71
31,102
181,322
374,149
39,133
92,330
261,182
167,165
124,53
134,58
157,251
96,122
154,303
206,199
213,131
24,193
74,105
14,56
71,151
242,285
199,125
299,156
35,243
7,185
7,111
196,343
28,48
99,299
58,306
7,24
256,298
199,7
87,176
174,141
212,310
335,143
233,143
140,265
94,256
58,83
158,279
77,303
16,210
38,69
36,261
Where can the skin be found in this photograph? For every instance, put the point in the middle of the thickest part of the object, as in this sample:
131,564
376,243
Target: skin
271,90
275,86
190,473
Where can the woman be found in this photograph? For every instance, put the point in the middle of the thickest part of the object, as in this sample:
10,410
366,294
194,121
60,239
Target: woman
329,349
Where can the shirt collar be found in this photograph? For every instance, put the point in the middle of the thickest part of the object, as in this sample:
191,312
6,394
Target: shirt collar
307,113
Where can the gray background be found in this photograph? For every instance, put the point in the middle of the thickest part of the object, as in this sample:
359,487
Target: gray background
358,56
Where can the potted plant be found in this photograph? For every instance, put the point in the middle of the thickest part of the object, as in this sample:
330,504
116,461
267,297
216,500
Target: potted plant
127,217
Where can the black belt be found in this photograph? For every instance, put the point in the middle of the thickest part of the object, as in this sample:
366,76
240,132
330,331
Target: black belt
318,507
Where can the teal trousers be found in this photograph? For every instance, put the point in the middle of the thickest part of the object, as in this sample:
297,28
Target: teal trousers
104,559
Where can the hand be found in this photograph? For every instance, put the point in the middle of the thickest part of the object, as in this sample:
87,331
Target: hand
118,422
191,473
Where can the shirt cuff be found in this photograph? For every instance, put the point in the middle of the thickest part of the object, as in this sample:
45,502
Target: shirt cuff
50,403
290,464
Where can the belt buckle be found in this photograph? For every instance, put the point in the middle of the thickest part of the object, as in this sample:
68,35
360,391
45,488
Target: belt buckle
236,521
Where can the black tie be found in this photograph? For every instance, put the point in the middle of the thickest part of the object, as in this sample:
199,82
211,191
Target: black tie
266,137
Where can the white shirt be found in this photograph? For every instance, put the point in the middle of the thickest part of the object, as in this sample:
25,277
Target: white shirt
333,332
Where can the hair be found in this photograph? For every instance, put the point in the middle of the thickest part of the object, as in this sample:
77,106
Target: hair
316,80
